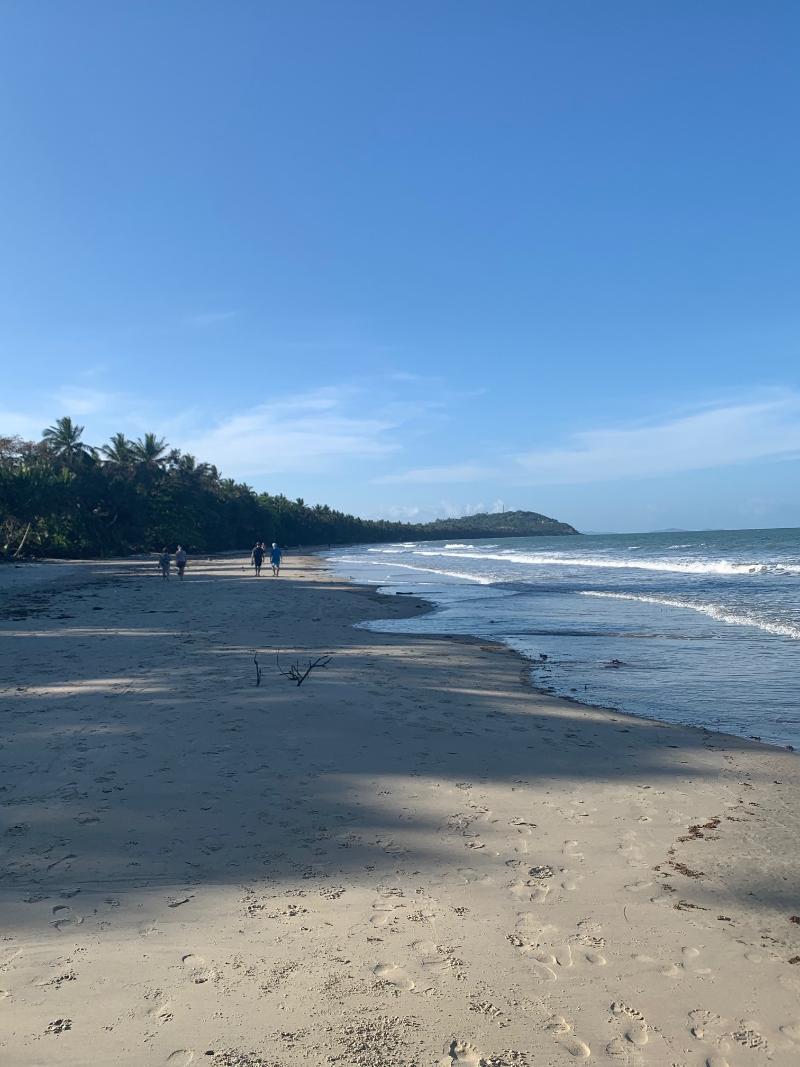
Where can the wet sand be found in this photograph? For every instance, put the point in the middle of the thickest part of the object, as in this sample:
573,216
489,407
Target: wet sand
411,860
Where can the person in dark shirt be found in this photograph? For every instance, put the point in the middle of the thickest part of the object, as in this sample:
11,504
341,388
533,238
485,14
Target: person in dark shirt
164,561
257,557
180,560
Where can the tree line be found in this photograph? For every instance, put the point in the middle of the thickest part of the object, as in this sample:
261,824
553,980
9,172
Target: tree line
63,497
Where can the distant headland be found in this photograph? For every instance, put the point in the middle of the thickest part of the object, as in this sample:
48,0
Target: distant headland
495,524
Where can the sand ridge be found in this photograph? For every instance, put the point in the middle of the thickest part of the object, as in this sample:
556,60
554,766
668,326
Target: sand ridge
412,860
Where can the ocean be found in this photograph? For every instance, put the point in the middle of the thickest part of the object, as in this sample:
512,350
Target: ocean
701,628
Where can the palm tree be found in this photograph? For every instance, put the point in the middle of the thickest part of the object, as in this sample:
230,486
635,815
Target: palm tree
64,440
119,450
189,465
149,450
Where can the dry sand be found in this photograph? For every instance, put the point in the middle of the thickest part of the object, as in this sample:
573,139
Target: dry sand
412,859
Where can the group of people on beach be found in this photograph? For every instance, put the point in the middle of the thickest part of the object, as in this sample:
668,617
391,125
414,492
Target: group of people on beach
256,560
165,562
258,554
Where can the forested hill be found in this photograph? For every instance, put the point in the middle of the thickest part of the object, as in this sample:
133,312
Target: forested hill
499,524
62,497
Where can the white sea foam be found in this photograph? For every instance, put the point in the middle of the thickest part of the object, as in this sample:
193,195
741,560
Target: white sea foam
480,579
676,566
715,611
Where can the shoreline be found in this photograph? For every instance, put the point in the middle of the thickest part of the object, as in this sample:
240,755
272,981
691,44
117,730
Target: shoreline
415,859
704,631
527,664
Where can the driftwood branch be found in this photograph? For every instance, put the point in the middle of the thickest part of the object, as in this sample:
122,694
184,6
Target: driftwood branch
22,542
297,673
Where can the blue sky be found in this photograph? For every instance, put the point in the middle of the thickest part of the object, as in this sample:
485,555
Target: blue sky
414,259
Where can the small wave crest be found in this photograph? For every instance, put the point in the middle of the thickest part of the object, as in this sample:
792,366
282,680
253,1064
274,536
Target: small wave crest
478,578
676,566
714,611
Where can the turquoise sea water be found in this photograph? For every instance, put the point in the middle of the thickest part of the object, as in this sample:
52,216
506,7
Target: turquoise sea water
700,628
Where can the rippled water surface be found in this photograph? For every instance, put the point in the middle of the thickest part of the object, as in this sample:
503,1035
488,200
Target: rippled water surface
701,628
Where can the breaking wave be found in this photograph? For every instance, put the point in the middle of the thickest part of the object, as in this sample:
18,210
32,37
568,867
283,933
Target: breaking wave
560,559
714,611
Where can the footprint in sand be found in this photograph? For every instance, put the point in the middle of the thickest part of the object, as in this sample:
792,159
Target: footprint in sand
562,1032
689,964
631,850
384,912
459,877
181,1057
462,1052
535,889
529,938
636,1031
747,1035
523,827
637,887
530,892
571,851
64,916
706,1025
570,882
159,1009
394,975
435,960
196,968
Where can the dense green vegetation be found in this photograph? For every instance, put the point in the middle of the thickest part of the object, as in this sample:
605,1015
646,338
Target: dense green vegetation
505,524
62,497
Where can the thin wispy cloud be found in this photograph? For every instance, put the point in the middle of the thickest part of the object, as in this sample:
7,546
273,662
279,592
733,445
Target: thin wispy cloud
444,509
74,400
316,432
311,432
21,424
713,436
80,401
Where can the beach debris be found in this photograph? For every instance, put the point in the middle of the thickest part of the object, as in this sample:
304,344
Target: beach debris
687,872
544,871
695,832
58,1026
297,673
176,903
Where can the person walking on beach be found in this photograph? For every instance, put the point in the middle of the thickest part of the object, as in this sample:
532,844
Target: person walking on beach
180,561
275,559
164,561
257,557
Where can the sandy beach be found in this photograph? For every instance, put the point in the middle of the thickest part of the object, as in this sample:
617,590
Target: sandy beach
412,860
